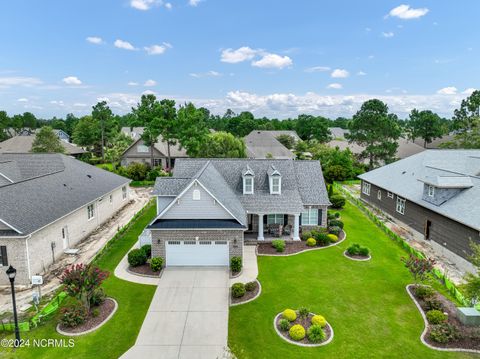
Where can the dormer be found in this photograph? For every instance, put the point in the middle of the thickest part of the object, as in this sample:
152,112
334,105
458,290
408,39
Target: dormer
274,180
248,180
439,189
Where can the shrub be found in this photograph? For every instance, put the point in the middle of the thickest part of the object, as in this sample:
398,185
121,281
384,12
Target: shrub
137,257
153,174
73,315
236,264
289,314
357,250
319,320
156,264
137,171
95,312
330,215
337,215
251,286
332,237
147,248
238,290
364,251
336,223
98,297
322,239
444,333
297,332
311,242
423,292
433,304
338,201
334,230
279,245
284,324
316,334
435,316
419,267
303,312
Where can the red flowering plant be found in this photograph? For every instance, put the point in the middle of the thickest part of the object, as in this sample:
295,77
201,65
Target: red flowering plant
82,281
419,267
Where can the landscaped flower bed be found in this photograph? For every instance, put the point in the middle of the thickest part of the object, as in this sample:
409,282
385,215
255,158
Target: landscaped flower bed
242,293
303,328
357,252
444,329
141,262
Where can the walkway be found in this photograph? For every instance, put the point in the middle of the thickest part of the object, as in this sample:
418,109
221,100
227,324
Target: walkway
188,316
250,267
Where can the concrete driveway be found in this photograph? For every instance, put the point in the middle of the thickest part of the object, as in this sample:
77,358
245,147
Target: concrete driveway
188,316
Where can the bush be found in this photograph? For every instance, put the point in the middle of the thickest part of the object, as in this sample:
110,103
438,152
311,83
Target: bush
137,257
289,314
319,320
251,286
311,242
337,215
303,312
322,239
444,333
279,245
98,297
95,312
73,315
336,223
136,171
236,264
334,230
332,237
338,201
435,316
357,250
297,332
316,334
147,248
364,251
284,324
330,215
238,290
423,292
156,264
433,304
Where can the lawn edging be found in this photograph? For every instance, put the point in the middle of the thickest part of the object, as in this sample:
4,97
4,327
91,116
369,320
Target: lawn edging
425,329
357,259
251,299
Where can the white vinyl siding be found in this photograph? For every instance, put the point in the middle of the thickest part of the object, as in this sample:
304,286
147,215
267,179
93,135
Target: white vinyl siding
366,188
310,217
276,218
400,205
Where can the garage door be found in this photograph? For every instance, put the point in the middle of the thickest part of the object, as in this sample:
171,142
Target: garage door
197,253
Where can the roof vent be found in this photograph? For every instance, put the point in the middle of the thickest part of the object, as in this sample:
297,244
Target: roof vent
89,176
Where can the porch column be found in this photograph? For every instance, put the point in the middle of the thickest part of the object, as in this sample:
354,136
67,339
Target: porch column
260,227
296,228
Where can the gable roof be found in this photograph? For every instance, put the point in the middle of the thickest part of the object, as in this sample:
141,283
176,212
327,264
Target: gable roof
262,144
338,132
47,187
23,144
162,147
459,168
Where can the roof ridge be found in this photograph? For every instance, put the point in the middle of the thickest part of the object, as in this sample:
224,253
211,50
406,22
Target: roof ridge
32,178
450,171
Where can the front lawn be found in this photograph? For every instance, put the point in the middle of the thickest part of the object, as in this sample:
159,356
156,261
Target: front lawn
365,302
119,333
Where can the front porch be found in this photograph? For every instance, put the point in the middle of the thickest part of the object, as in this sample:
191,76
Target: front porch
267,227
252,237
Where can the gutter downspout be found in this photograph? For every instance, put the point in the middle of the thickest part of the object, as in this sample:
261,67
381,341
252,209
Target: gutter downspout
28,258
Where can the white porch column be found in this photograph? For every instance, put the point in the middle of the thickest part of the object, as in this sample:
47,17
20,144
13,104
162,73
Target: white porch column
296,228
260,227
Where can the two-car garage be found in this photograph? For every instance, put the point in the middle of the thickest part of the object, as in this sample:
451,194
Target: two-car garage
196,253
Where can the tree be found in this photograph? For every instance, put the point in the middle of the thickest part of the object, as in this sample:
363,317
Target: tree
87,132
471,287
240,125
4,121
426,125
102,113
310,127
287,140
29,120
192,130
119,144
47,141
222,145
168,126
373,127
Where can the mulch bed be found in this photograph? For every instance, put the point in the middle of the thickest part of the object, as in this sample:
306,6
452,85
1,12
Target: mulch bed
356,256
248,295
470,335
291,246
306,323
105,309
144,269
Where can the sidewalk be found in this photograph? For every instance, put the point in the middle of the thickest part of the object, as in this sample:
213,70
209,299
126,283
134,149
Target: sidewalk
250,267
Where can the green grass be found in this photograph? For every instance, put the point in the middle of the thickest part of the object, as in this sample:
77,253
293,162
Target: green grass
120,333
365,302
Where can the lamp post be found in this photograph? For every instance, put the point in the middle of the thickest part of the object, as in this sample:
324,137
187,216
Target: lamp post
11,273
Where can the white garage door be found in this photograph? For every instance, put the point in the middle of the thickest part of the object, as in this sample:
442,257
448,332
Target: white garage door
197,253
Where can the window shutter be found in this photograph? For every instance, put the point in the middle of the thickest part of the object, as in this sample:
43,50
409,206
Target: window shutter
319,217
3,250
285,219
265,218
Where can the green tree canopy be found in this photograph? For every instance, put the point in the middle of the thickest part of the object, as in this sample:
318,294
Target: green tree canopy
47,141
192,130
287,140
103,114
87,132
426,125
310,127
222,145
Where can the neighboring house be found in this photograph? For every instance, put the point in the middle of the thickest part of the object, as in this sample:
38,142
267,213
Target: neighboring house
264,144
139,152
436,142
207,209
23,144
48,204
62,135
290,133
436,193
133,132
338,133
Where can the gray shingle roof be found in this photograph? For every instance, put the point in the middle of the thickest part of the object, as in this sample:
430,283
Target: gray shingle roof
169,186
262,144
405,177
23,144
49,186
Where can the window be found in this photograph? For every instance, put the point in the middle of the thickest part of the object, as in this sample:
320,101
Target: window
248,185
196,195
389,194
400,205
379,195
124,192
3,256
157,162
111,199
142,149
275,185
431,191
366,188
63,233
90,211
310,217
275,218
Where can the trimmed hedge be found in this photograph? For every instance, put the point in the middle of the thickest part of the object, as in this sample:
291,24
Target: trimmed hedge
236,264
137,257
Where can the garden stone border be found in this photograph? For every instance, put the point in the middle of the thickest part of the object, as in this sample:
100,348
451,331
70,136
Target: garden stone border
91,329
249,300
279,333
357,259
426,324
305,250
146,275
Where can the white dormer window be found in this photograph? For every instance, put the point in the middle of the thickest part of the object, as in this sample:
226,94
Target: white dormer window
275,185
247,185
196,195
431,191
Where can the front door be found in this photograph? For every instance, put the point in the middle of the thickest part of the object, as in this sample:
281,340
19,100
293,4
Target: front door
65,237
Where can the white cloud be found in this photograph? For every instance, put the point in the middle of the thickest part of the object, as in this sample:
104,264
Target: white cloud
72,80
339,73
19,81
450,90
317,69
23,99
361,73
469,91
79,104
335,86
388,34
94,40
57,103
405,12
194,2
132,83
144,4
273,61
157,49
210,73
241,54
150,83
124,45
168,6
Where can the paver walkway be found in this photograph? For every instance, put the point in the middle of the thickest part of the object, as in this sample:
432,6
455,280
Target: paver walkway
188,316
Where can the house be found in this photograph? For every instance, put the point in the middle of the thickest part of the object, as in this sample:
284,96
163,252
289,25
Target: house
290,133
133,132
264,144
338,133
23,144
209,207
437,142
62,135
436,193
139,152
48,204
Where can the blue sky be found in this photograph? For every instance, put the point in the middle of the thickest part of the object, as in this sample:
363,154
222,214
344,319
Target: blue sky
274,58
